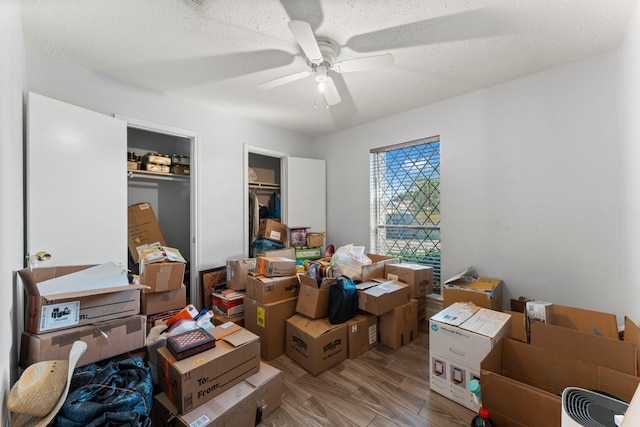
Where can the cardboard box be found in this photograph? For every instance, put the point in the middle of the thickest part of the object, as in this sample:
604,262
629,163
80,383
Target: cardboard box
484,292
163,276
612,353
315,240
375,270
244,405
267,320
400,325
522,384
161,269
378,297
284,253
229,303
588,321
272,230
143,228
48,312
313,298
422,308
460,337
271,289
275,266
362,334
315,344
237,272
104,340
219,319
159,302
419,277
195,380
518,326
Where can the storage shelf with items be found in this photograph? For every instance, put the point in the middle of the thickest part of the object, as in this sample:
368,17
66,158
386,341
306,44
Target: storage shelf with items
264,205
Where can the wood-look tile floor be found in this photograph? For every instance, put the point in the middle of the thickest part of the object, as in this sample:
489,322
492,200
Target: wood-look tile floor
382,387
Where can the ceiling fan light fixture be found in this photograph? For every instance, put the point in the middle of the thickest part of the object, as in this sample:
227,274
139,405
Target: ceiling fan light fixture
322,86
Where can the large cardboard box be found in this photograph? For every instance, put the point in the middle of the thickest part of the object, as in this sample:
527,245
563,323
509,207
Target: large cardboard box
195,380
484,292
246,404
588,321
362,334
400,325
460,336
313,298
271,289
143,228
267,320
275,266
104,340
612,353
159,302
379,297
315,344
419,277
70,296
237,272
272,230
522,384
375,270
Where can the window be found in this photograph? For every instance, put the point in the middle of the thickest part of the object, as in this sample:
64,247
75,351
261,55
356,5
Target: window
405,202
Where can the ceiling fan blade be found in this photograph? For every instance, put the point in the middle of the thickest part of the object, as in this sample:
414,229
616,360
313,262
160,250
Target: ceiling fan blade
377,62
468,25
308,10
284,80
303,33
330,93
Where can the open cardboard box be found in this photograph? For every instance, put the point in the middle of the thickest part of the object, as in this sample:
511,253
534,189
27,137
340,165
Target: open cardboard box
313,298
77,295
522,384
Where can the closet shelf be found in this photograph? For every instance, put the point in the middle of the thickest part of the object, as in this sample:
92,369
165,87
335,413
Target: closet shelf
263,185
139,174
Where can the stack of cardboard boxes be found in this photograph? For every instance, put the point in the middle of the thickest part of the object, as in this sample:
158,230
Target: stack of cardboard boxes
95,304
160,268
224,385
525,357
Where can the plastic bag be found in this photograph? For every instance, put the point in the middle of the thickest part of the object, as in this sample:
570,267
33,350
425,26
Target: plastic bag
348,261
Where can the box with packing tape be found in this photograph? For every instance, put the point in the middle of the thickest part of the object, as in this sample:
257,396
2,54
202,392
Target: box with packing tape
191,382
275,266
161,268
68,296
246,404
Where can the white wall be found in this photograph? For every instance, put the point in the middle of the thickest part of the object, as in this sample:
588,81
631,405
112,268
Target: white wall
629,92
220,170
531,183
11,230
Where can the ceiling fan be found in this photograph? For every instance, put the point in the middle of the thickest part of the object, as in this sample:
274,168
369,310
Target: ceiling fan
321,55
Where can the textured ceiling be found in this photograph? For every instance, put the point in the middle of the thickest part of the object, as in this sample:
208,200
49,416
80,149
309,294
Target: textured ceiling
216,52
